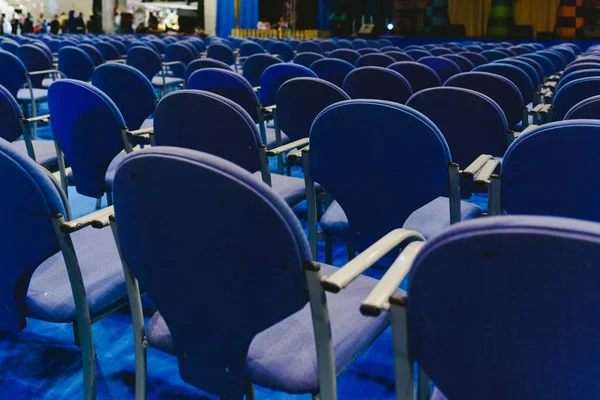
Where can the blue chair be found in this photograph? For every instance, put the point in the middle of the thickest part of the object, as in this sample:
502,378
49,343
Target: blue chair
358,44
525,67
275,75
121,48
399,56
131,92
375,60
572,93
385,42
306,59
202,63
515,75
574,67
149,63
66,42
332,70
472,123
377,83
227,131
373,44
438,51
497,88
585,109
255,66
327,46
417,54
347,55
519,50
586,73
493,55
544,62
93,52
35,59
74,63
487,259
558,61
443,67
79,286
309,47
194,50
463,63
388,49
10,46
108,50
344,44
198,44
283,50
221,53
276,347
366,51
473,48
419,76
403,146
532,63
567,53
475,58
177,58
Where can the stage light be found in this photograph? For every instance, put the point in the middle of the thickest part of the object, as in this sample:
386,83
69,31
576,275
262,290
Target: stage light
390,26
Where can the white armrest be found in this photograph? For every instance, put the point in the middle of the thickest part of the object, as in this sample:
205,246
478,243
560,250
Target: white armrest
477,164
44,118
140,132
86,220
487,171
286,147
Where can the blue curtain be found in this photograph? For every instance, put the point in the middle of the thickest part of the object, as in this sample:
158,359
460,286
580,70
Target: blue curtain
325,10
226,16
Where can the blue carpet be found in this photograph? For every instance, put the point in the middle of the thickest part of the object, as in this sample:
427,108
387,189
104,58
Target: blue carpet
43,363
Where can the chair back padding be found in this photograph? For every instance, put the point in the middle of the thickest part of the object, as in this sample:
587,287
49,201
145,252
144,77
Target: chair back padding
203,63
230,206
585,109
34,59
403,146
276,75
377,83
12,72
358,44
532,63
374,60
565,51
255,66
10,46
419,76
249,48
332,70
512,279
575,67
572,93
443,67
496,87
300,100
475,58
10,115
438,51
399,56
344,44
227,131
544,62
129,89
523,66
558,61
515,75
519,50
348,55
473,48
145,60
306,59
75,63
493,55
472,123
573,76
283,51
328,46
363,52
463,63
221,52
417,54
531,185
309,47
87,125
181,53
198,44
108,50
93,52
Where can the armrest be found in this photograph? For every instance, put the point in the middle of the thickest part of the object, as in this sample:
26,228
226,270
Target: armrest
140,132
286,147
379,297
477,164
44,118
256,88
526,130
46,72
119,61
466,176
270,109
87,220
346,274
296,155
487,171
168,63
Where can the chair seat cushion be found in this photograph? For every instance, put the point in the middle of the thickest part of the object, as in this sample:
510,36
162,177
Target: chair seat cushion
283,357
169,81
45,152
49,297
291,189
47,82
334,221
110,172
271,140
437,395
24,95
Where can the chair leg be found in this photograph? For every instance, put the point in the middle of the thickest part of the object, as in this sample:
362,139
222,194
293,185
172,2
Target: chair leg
76,334
328,249
109,198
250,391
98,203
350,250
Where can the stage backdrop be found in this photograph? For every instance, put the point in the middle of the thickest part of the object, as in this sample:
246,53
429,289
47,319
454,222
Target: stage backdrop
226,16
473,14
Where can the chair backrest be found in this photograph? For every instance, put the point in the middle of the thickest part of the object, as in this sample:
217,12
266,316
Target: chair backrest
332,70
514,74
519,50
532,185
87,127
358,44
193,48
472,123
557,59
463,63
10,115
10,46
28,237
585,109
328,46
221,52
93,52
198,44
385,42
344,44
75,63
575,67
585,73
475,58
544,62
568,53
417,54
572,93
399,56
374,44
473,48
66,42
306,59
375,60
365,51
300,100
34,59
402,146
203,63
348,55
525,67
181,53
12,72
121,48
443,67
493,55
145,60
283,51
532,271
438,51
275,75
129,89
108,50
227,84
377,83
419,76
532,63
227,130
309,47
496,87
255,66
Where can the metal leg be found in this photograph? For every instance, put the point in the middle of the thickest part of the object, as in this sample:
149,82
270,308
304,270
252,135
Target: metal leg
403,365
278,143
62,169
76,334
109,198
98,203
262,125
424,386
328,249
250,391
454,193
495,196
350,250
311,206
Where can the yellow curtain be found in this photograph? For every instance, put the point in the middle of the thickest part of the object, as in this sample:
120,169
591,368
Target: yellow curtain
539,13
473,14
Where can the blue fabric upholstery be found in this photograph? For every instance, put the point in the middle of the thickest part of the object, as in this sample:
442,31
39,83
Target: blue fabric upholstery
335,222
204,63
558,61
93,52
390,85
585,109
221,53
145,60
49,297
34,59
475,58
363,52
87,126
463,63
276,75
443,67
347,55
528,69
493,55
181,53
306,59
249,48
75,63
39,95
108,50
10,46
399,56
574,67
12,72
332,70
358,44
532,63
438,51
572,93
419,76
107,184
283,51
463,326
413,150
417,54
572,76
515,75
328,46
496,87
532,185
129,89
44,150
10,112
255,65
474,48
472,123
374,60
544,62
